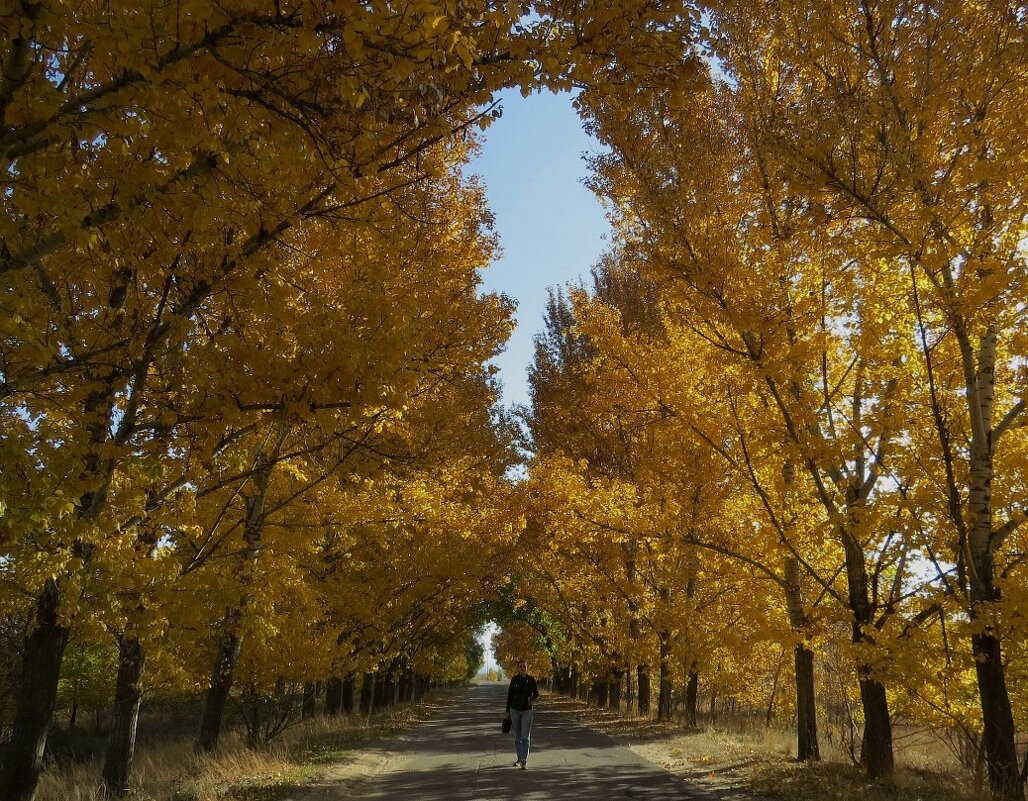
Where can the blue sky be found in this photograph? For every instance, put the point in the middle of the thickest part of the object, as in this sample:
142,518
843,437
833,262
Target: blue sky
551,228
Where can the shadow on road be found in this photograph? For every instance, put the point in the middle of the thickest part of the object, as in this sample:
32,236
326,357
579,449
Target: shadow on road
460,755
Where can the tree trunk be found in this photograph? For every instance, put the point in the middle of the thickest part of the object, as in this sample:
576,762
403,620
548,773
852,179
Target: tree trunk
393,682
643,683
367,693
333,696
998,730
408,684
37,695
348,693
128,695
807,747
559,676
221,683
617,677
379,693
692,698
664,697
876,745
311,690
602,690
231,636
770,715
998,735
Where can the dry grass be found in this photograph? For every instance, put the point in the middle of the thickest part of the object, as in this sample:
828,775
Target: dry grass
756,761
172,772
828,781
736,761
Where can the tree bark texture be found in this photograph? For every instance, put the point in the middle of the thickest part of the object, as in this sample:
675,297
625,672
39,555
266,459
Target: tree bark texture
692,698
643,682
999,734
40,672
221,683
664,697
128,696
807,746
876,746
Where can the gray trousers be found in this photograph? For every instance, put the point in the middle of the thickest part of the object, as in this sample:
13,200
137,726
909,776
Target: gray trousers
521,726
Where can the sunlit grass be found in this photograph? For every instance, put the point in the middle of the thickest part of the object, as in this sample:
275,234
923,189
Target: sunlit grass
829,781
747,756
172,772
741,755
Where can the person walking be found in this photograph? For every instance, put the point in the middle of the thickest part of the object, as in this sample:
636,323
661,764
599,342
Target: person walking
522,691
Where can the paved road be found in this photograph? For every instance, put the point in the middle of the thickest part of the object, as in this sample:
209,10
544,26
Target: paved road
460,755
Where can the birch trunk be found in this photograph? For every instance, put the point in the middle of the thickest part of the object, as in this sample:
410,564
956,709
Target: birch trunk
997,716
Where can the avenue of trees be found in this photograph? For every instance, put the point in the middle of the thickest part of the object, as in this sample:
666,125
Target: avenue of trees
789,412
248,442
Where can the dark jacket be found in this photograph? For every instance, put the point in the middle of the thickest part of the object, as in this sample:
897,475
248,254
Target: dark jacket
521,693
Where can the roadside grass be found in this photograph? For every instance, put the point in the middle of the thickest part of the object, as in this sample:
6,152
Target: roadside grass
745,757
736,758
831,781
170,771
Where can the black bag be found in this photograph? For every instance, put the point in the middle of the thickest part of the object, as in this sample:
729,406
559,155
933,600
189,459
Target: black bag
505,728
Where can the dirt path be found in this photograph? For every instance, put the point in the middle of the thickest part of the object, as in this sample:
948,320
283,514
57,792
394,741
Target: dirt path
459,754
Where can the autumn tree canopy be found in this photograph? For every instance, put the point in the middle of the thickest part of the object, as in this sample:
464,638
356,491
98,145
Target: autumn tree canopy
248,432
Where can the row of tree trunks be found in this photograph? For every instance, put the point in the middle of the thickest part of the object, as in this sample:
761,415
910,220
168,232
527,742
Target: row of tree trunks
378,690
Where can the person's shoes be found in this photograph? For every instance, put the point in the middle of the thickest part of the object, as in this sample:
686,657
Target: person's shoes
522,765
516,764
